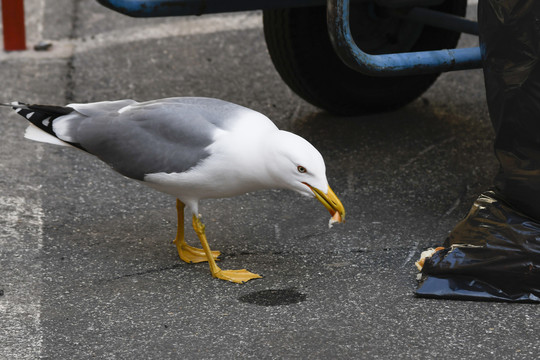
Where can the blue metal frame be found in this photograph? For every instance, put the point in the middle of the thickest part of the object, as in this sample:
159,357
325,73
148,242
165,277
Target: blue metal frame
412,63
159,8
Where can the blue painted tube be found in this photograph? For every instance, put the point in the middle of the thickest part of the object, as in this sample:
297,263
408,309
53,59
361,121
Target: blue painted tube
413,63
160,8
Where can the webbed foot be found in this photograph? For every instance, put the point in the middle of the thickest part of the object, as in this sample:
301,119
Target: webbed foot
236,276
193,255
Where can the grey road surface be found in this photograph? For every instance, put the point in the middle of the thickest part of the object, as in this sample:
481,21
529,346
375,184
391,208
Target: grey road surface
87,264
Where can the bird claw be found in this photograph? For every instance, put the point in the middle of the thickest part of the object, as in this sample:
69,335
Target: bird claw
193,255
236,276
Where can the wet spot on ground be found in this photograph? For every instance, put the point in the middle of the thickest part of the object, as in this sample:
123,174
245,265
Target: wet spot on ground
274,297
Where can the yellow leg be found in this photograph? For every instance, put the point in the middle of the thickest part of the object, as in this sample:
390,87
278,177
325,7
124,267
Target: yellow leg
237,276
186,252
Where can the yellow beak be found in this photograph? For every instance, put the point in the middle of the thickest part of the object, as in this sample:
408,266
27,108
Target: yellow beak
330,202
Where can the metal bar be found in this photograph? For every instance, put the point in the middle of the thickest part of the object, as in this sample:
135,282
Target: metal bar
440,20
13,23
413,63
160,8
407,3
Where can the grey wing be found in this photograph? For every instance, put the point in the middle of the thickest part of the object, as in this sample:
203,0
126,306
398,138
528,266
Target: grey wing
149,137
102,107
217,112
65,127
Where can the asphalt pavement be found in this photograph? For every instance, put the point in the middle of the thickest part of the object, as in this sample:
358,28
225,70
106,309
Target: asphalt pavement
87,264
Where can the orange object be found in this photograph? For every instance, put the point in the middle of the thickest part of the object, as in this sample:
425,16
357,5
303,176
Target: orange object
13,22
426,254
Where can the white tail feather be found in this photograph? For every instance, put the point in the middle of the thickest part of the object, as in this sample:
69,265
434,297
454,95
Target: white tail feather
34,133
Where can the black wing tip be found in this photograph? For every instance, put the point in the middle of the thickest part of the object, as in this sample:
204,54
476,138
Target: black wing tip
43,116
53,110
15,105
48,109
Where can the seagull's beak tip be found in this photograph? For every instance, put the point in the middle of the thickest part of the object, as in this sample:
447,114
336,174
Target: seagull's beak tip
337,217
332,204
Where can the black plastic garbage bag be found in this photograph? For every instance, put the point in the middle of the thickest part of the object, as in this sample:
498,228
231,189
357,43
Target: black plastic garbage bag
494,253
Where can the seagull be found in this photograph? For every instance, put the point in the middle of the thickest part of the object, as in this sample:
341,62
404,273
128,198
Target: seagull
192,148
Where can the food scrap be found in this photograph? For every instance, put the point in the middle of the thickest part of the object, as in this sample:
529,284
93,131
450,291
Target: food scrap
424,255
334,219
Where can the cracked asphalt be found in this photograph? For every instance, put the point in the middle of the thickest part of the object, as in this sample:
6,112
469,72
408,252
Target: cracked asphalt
87,264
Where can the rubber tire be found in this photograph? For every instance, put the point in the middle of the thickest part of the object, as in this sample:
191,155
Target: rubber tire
300,48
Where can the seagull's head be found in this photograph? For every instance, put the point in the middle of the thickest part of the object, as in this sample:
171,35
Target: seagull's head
298,166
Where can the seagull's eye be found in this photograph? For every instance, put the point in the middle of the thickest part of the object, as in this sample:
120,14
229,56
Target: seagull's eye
301,169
